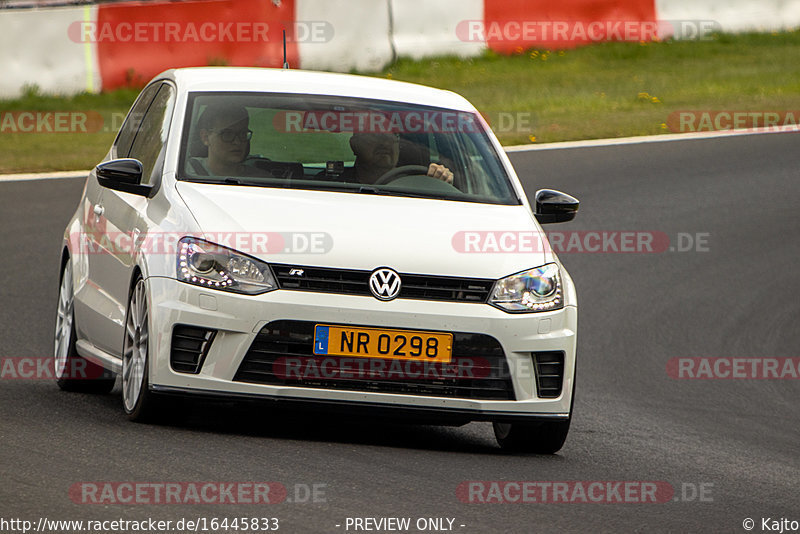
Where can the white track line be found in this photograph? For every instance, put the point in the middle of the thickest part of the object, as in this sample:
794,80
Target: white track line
43,176
518,148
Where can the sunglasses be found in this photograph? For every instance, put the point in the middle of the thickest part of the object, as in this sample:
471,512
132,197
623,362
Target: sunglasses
229,136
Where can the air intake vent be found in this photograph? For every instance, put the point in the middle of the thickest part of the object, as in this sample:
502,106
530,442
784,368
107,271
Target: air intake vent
282,354
549,373
190,345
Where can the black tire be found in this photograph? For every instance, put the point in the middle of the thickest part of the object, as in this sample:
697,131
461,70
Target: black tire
140,404
546,437
72,372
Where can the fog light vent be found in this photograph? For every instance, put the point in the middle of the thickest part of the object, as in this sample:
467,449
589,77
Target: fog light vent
549,373
190,345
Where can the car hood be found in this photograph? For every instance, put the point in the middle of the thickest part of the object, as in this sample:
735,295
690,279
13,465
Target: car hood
366,231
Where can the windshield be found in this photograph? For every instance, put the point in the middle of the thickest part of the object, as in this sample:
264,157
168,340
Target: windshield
341,144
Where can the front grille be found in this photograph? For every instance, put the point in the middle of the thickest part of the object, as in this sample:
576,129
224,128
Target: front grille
549,373
189,347
282,354
324,280
355,282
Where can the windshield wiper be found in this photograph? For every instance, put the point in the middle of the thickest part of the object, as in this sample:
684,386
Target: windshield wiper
367,190
230,181
325,186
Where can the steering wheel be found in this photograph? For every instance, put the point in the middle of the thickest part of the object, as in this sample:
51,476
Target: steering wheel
405,170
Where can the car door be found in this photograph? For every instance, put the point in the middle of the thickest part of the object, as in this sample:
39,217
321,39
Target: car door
140,138
128,212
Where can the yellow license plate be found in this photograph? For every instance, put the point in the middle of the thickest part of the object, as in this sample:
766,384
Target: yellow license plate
383,343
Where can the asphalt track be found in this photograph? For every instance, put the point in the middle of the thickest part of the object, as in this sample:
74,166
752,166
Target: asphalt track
740,439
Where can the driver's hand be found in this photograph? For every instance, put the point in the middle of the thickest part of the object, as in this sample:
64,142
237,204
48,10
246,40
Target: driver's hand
440,172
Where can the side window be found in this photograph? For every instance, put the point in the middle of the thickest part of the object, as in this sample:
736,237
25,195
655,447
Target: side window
148,145
131,125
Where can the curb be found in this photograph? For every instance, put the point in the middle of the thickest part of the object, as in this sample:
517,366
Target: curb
43,176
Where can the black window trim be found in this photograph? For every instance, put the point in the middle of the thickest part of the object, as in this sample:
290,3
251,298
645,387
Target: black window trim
158,167
192,95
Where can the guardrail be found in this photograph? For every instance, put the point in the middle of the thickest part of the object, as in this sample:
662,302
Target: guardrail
112,44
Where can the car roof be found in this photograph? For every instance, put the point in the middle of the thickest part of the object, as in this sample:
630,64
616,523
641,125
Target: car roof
246,79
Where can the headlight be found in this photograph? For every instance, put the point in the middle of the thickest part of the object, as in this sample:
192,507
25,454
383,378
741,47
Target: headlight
214,266
530,291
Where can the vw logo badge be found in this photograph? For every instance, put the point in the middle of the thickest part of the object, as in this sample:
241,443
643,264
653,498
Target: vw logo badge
384,283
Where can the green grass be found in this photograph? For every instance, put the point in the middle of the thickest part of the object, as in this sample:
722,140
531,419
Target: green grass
607,90
34,152
599,91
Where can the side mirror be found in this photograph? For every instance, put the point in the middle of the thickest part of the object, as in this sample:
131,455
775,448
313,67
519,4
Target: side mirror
554,206
123,175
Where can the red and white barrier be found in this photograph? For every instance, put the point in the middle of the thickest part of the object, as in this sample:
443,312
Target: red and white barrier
734,15
137,41
73,49
359,38
425,28
35,49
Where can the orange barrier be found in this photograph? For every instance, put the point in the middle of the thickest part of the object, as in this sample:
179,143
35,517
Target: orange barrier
515,25
135,41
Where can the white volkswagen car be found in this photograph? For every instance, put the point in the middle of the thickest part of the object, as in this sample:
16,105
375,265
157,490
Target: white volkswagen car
347,242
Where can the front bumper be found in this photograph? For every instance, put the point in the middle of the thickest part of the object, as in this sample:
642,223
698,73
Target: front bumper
239,318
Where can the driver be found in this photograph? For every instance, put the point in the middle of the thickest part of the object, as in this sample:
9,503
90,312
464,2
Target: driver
224,129
377,153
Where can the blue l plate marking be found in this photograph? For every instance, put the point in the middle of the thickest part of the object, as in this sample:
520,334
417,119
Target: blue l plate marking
321,339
